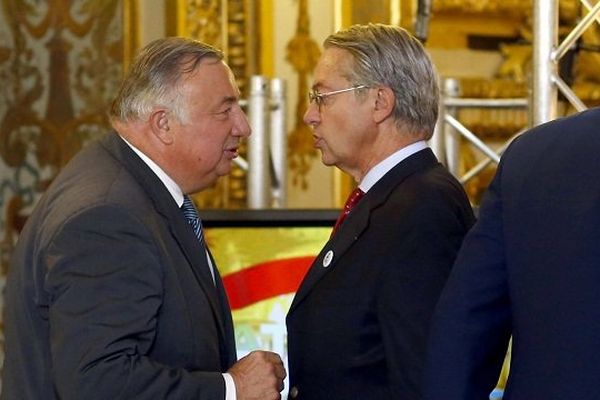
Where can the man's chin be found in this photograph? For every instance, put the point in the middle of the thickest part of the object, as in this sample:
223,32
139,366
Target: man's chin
328,161
224,168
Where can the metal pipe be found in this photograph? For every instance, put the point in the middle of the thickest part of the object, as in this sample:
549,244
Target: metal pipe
589,7
486,103
544,92
437,141
472,138
279,142
575,33
470,174
569,93
258,178
422,19
242,163
451,89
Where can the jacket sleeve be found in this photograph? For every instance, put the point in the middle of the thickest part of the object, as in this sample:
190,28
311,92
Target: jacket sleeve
105,283
471,325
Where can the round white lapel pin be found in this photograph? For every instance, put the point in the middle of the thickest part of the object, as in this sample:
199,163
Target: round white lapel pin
328,258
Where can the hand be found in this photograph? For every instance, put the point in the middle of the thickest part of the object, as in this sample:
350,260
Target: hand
258,376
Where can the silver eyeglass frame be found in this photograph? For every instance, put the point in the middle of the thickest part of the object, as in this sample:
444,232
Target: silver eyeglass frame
319,98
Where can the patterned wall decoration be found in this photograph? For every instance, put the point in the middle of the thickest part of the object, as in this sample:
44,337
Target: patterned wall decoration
303,53
228,25
482,6
60,64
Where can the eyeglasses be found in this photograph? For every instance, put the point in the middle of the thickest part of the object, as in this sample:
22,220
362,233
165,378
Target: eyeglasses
319,98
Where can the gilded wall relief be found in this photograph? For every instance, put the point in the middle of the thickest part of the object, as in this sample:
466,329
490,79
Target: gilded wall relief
228,26
585,77
482,6
60,64
302,53
204,20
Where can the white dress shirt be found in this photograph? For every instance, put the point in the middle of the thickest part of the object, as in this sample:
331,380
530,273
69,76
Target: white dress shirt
379,170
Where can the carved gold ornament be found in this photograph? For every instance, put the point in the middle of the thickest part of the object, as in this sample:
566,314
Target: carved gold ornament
302,53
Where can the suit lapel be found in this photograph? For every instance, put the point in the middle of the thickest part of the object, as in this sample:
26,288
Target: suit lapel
181,231
229,356
358,221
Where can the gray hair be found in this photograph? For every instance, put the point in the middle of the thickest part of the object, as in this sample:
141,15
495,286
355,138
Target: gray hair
385,55
154,77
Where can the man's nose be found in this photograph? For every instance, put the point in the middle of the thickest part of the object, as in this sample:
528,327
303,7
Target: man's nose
312,115
241,126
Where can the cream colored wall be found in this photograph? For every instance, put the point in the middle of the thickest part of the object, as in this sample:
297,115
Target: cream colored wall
319,193
152,18
463,63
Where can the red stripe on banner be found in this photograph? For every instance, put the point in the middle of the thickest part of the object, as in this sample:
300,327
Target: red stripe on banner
265,280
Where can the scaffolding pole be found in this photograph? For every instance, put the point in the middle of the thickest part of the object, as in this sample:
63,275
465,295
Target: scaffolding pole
545,35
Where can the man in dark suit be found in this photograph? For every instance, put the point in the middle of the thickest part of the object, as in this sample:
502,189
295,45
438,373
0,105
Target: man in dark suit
358,324
530,269
112,294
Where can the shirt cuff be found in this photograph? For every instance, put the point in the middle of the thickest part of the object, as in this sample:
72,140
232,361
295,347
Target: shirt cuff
230,393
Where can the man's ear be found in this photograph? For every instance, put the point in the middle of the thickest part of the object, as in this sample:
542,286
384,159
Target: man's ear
384,104
159,124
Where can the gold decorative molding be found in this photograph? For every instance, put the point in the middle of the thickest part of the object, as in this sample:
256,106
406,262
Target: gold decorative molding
302,53
73,95
61,65
586,81
482,6
205,20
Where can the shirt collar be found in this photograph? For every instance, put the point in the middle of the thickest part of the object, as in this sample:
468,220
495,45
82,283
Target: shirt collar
169,183
383,167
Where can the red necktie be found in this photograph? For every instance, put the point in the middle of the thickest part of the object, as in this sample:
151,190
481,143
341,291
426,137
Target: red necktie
353,200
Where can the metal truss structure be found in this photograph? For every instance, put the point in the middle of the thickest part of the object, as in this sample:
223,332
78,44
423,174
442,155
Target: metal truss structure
266,167
545,86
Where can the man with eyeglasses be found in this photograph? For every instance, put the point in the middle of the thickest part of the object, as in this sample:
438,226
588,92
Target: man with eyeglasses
358,325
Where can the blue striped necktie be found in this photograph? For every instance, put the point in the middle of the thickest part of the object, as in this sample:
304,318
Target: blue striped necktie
190,213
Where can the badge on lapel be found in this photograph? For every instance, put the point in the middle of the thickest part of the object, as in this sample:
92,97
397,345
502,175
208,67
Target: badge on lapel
327,259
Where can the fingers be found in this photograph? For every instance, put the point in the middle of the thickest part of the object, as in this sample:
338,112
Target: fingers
259,375
277,364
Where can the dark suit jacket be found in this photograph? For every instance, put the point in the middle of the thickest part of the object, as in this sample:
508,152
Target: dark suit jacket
109,295
357,327
530,267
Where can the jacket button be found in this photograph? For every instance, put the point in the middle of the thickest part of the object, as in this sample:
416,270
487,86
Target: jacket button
293,392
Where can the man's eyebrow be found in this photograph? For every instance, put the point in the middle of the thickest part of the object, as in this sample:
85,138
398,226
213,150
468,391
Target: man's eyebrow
317,86
230,100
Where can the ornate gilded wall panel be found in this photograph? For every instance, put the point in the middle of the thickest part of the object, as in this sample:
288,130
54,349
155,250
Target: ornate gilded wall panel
60,65
302,52
482,6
